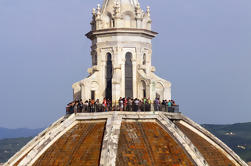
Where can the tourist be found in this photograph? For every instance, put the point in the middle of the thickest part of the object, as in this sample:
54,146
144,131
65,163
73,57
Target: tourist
121,105
125,104
105,105
97,106
75,106
136,101
169,104
129,105
79,106
85,106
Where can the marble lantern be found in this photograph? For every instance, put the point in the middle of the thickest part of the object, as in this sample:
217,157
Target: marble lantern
121,54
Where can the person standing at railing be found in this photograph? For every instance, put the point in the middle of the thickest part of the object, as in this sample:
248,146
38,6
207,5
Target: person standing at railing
105,104
79,106
69,108
121,105
163,105
125,104
97,106
85,106
129,105
136,102
169,104
156,104
75,106
173,103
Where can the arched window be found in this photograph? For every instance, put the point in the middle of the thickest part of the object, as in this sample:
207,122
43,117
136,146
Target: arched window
128,75
109,70
160,91
112,23
143,84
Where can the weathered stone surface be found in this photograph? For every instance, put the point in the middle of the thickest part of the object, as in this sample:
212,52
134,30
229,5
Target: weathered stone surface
144,138
182,139
212,155
80,146
194,127
121,28
110,141
146,143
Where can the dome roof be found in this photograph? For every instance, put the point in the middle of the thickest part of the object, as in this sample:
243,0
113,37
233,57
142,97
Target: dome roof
126,138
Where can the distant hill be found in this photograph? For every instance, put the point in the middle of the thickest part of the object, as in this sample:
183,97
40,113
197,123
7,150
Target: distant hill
17,133
8,147
236,136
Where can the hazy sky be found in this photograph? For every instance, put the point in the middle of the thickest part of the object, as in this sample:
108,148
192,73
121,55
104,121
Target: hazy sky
203,48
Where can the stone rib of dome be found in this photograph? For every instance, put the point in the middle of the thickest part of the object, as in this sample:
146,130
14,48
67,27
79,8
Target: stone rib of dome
212,154
125,138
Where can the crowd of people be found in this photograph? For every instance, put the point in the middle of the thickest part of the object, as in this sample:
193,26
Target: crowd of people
123,104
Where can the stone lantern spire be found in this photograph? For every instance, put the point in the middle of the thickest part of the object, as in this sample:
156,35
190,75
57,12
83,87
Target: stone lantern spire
121,54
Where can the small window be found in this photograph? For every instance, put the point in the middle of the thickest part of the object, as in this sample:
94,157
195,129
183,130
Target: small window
144,93
93,95
144,59
94,60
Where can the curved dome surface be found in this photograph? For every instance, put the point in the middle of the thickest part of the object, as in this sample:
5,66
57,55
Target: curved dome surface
126,138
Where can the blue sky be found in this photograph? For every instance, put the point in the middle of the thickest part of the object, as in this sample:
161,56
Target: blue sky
203,48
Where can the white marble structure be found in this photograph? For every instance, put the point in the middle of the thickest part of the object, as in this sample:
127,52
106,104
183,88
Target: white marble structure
121,55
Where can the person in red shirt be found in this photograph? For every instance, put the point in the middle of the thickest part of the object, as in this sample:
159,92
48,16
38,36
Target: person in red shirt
105,105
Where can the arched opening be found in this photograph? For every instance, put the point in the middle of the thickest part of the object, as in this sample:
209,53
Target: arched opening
128,75
143,84
108,90
160,91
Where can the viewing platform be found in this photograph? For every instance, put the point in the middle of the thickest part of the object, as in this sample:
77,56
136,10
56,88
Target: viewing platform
145,108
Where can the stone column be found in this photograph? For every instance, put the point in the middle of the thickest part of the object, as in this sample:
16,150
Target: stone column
134,73
117,76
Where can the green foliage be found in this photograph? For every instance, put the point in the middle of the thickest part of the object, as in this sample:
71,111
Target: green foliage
241,136
8,147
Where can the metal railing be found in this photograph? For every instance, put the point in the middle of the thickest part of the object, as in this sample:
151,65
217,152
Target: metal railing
129,108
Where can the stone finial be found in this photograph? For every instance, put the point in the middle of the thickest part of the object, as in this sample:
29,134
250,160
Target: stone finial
93,18
117,9
148,11
138,6
98,9
93,11
138,11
